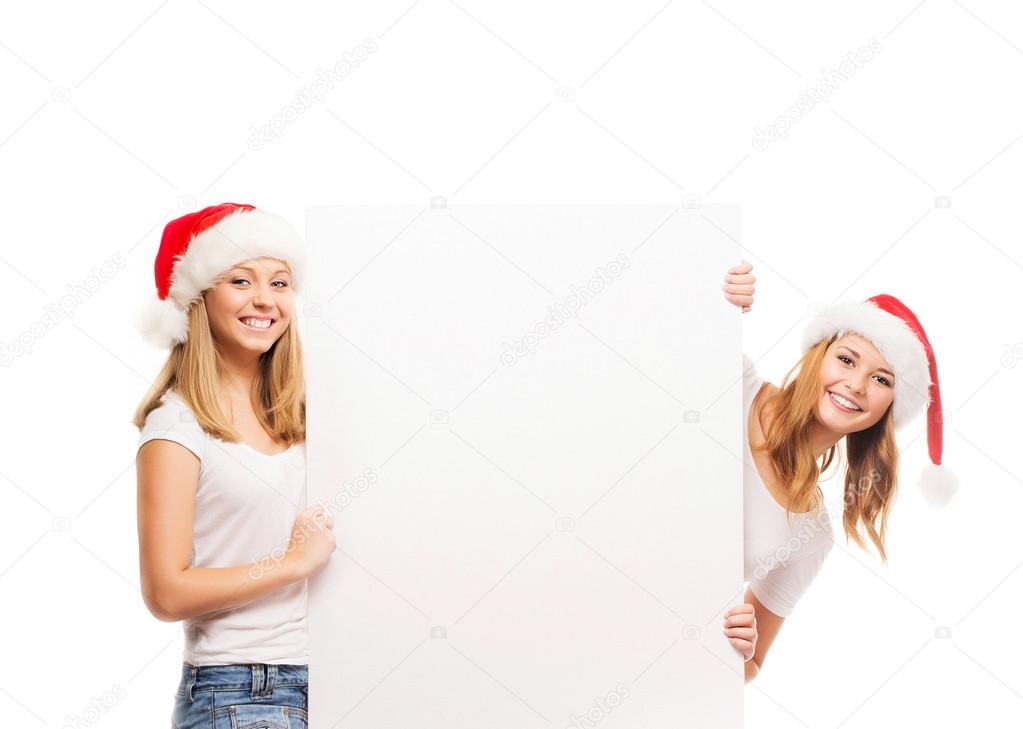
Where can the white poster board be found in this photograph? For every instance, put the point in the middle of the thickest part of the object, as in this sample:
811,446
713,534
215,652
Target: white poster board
525,421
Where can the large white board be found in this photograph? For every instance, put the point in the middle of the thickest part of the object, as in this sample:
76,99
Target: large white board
525,421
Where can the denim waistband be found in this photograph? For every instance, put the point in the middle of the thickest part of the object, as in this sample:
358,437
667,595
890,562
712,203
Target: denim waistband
258,678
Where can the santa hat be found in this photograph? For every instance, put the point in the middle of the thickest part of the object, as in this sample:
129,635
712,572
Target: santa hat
899,337
198,247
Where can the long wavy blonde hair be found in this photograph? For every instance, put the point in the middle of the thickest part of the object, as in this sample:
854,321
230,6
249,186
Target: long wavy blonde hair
194,369
872,455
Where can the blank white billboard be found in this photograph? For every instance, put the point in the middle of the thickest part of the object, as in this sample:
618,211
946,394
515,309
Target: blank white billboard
525,420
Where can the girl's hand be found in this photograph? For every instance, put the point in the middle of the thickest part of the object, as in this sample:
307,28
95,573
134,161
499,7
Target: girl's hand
738,286
312,541
741,629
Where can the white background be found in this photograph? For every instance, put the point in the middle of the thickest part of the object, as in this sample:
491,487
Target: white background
117,117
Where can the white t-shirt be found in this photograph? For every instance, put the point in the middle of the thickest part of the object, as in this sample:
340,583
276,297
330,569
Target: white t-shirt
245,507
780,561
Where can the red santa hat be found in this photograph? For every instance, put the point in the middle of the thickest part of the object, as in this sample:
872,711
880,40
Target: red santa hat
198,247
896,332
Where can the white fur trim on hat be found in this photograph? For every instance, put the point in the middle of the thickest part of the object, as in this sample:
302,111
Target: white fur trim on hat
240,236
896,342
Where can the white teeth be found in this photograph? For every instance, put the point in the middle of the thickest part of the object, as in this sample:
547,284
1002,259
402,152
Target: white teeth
843,402
257,323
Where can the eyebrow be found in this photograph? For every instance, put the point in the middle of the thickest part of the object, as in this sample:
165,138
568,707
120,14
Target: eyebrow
252,270
882,369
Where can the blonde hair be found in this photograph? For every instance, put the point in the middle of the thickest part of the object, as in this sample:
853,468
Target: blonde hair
871,478
193,369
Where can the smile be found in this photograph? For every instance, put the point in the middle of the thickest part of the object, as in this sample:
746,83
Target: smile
843,404
252,322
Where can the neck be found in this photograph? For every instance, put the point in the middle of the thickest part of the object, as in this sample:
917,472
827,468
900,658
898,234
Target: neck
822,438
238,375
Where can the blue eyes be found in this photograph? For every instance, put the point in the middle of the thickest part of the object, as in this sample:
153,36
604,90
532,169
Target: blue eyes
881,378
280,281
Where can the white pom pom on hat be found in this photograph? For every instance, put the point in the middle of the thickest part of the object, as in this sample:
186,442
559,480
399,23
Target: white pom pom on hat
895,331
197,248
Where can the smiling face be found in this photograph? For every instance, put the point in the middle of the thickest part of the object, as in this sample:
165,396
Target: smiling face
251,305
857,385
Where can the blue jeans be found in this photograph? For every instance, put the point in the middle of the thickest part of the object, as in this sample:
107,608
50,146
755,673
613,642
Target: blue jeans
242,696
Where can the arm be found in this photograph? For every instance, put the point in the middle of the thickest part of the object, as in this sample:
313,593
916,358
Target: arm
768,625
168,476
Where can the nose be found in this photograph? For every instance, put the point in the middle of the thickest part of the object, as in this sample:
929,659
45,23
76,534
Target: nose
858,384
260,296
